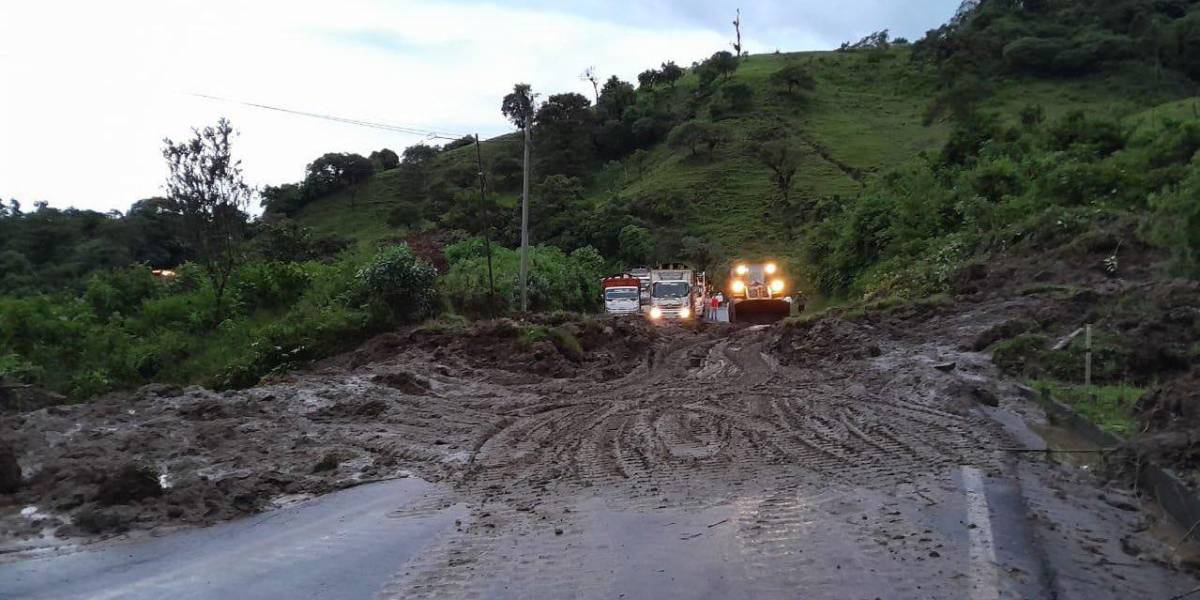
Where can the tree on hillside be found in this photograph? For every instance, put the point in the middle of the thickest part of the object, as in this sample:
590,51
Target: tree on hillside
519,106
873,41
335,171
782,157
647,79
723,63
615,97
384,159
558,214
636,245
418,153
670,73
205,182
793,76
563,128
695,134
461,142
701,252
281,200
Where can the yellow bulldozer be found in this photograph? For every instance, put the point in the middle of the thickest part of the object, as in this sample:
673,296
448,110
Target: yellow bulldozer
758,293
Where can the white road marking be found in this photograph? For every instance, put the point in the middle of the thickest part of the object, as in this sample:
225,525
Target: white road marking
985,580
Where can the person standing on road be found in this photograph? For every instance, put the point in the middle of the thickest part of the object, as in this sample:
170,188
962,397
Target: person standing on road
712,311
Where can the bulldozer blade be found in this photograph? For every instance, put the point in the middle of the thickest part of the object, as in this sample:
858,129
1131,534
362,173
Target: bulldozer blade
760,311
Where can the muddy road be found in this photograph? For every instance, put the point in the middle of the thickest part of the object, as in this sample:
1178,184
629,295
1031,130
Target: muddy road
835,460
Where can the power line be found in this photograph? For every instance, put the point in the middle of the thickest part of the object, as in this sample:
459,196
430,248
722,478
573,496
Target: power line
424,133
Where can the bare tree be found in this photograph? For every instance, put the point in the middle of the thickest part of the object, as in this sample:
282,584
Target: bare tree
206,183
589,74
737,28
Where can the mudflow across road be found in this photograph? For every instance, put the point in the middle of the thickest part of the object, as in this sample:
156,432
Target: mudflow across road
843,461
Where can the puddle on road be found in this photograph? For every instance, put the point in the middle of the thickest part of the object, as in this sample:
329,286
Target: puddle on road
1063,439
1185,548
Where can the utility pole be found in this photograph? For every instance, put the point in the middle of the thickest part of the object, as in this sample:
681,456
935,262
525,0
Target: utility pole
487,236
525,225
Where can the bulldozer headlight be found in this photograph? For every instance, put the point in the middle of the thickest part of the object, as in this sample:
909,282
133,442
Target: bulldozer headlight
738,286
777,286
742,269
685,313
655,313
770,268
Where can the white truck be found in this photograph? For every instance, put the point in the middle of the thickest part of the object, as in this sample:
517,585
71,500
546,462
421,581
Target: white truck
672,293
622,294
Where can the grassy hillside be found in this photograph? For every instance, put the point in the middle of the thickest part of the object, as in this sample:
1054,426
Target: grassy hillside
866,116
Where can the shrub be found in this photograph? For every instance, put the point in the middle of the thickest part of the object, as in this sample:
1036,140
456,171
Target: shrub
120,291
1102,136
557,281
563,340
270,284
1034,54
1030,356
398,287
1175,225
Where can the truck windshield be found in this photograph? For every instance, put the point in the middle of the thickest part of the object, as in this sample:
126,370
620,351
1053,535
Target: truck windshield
670,289
621,294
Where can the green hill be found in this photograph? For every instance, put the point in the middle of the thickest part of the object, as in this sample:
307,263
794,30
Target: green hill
866,115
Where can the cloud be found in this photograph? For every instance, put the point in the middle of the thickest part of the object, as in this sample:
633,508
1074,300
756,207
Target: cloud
88,99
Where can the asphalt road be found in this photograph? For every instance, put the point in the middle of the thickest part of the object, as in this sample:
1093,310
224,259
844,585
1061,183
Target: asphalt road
343,545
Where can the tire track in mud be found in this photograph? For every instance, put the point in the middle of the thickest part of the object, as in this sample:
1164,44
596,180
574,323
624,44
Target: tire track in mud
701,422
709,412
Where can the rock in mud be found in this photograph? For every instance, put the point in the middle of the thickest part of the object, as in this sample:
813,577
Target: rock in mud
96,521
328,462
984,396
403,381
10,471
973,391
1003,331
946,366
131,483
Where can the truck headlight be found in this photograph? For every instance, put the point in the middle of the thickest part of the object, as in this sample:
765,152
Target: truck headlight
738,286
777,286
770,268
655,313
685,313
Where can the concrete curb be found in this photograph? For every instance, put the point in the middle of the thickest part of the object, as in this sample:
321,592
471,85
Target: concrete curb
1181,503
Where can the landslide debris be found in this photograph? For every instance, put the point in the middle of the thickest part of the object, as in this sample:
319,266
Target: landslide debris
414,400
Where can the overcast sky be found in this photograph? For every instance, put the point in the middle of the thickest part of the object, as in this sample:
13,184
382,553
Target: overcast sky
88,90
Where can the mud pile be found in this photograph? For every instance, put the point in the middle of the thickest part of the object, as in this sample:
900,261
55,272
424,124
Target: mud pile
825,340
411,401
555,346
